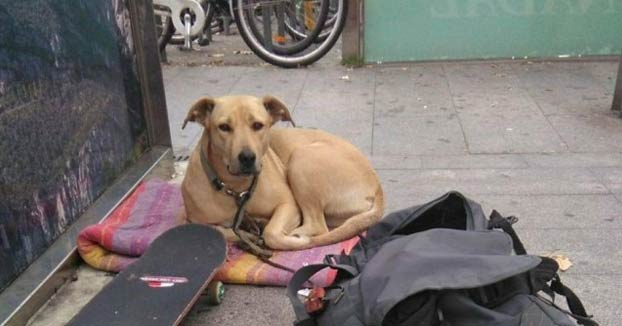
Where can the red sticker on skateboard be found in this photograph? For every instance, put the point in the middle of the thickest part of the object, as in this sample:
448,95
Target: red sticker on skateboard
162,281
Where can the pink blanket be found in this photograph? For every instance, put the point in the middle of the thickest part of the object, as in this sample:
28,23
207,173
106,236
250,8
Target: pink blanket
154,207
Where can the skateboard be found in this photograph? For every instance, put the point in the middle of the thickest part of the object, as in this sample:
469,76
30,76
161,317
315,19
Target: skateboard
161,287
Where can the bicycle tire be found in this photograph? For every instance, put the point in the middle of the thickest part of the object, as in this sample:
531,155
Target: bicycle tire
303,42
330,20
291,61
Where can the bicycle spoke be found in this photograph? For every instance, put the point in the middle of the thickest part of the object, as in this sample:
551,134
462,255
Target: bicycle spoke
250,6
267,26
290,35
280,21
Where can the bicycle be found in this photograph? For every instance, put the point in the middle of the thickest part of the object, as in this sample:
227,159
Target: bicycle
285,33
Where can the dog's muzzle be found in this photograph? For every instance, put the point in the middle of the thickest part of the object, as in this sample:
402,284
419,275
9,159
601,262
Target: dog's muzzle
247,160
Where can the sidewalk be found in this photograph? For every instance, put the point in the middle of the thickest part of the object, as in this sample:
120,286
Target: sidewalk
535,140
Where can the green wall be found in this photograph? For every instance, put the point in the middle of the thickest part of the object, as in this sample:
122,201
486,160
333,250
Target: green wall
409,30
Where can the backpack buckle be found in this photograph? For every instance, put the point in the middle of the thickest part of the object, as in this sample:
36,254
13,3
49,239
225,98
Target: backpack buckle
497,221
317,299
315,302
330,259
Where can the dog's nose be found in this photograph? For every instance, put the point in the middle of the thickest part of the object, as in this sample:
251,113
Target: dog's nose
247,158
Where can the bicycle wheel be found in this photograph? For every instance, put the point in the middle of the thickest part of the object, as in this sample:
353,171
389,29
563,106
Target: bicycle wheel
265,50
330,21
308,16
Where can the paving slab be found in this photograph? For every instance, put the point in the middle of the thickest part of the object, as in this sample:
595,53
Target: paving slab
463,161
396,162
479,161
573,160
254,305
481,78
600,294
611,178
342,107
409,92
76,293
510,102
510,133
404,188
271,81
589,132
424,134
488,89
590,250
557,212
347,81
566,88
604,71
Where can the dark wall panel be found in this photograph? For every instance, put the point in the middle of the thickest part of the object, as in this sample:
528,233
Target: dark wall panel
70,117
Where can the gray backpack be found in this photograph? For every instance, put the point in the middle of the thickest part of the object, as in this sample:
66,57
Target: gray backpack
441,263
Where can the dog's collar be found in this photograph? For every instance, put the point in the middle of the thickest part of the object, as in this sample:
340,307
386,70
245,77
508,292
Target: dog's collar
241,200
221,186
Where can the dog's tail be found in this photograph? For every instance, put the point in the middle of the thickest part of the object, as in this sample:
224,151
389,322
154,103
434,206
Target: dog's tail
353,226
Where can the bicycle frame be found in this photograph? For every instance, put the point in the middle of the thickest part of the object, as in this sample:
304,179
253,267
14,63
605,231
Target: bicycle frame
228,3
271,47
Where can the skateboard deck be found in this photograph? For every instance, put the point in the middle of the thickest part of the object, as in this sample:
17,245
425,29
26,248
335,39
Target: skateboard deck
161,287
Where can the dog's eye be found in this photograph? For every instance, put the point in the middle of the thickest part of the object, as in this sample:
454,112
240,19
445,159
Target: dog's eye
257,125
224,127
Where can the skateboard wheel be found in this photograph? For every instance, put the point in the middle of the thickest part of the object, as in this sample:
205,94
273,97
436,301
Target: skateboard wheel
215,293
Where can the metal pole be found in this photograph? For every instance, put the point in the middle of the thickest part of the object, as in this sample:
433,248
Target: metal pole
617,95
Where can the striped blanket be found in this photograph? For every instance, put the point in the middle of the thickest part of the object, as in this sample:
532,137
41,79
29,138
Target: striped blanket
154,207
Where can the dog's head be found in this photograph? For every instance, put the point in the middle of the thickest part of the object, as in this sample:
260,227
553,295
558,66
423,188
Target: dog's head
238,128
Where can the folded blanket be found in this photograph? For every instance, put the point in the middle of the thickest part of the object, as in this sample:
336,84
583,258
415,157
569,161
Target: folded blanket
156,206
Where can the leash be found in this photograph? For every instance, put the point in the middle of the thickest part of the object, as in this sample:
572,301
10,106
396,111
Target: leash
241,200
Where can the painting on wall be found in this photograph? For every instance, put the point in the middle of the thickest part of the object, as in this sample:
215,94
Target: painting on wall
71,117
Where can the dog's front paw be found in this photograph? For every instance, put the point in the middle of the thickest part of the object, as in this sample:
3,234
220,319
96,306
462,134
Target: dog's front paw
288,242
305,231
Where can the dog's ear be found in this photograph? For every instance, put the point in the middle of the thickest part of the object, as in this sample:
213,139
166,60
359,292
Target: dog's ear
278,111
199,111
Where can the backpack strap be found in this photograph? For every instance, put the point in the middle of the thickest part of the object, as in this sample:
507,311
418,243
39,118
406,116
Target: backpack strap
574,303
546,271
297,281
497,221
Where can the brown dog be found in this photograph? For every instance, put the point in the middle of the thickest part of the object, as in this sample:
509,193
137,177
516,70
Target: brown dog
312,189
